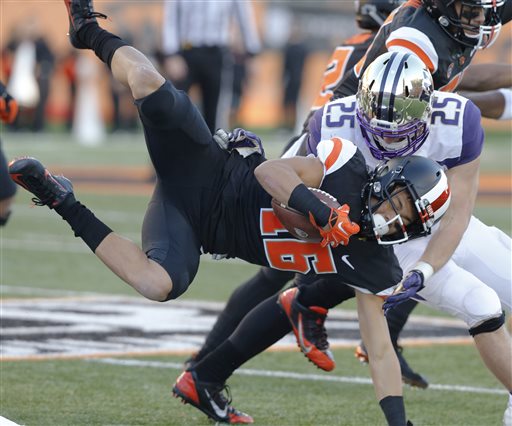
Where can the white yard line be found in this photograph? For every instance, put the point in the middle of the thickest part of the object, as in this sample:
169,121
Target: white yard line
295,376
7,422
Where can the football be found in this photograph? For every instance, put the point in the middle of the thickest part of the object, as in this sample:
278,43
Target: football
298,224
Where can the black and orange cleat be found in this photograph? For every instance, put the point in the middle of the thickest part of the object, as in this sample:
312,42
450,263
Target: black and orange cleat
209,398
80,13
49,190
308,327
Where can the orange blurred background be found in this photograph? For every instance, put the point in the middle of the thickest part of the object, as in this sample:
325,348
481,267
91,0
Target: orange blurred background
261,104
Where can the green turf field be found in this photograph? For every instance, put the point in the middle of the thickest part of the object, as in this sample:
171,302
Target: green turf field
40,258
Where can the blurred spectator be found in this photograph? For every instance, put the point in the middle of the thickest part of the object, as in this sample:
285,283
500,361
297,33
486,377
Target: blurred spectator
67,66
295,54
196,39
31,71
8,113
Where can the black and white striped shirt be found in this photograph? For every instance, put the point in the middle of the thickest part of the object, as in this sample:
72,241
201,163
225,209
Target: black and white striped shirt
198,23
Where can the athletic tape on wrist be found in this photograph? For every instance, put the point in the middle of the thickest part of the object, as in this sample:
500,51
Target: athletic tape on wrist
425,268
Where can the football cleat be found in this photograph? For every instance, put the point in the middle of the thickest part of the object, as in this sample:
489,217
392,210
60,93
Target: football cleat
309,330
209,398
80,13
409,376
49,190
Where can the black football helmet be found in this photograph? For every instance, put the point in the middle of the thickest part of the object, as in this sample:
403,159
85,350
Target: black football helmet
468,33
371,14
427,186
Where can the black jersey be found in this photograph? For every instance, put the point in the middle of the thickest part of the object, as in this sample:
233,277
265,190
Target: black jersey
247,228
206,198
412,29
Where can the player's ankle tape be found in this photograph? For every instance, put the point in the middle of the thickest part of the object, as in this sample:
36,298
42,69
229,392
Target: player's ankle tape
86,226
101,41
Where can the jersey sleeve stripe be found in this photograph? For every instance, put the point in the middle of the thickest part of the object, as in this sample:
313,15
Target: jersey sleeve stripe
414,49
453,83
335,153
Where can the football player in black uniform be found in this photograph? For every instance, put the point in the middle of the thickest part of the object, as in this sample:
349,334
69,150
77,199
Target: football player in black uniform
212,200
8,113
370,15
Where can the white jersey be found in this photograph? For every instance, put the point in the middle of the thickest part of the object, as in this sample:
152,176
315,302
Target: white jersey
456,135
482,261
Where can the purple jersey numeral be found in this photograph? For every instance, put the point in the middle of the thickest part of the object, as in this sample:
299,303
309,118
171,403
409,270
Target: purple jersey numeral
336,115
442,114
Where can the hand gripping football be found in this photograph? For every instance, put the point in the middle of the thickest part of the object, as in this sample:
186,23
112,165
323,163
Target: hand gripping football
298,224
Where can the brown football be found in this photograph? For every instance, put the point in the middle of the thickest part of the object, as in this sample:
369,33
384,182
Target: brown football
298,224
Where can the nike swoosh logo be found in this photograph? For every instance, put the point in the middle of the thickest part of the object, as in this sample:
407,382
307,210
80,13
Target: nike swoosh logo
305,348
346,261
221,413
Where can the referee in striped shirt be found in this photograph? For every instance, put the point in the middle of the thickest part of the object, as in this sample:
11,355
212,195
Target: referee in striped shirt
196,47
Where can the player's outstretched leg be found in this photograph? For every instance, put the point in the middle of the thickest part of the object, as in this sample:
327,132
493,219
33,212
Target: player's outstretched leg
209,398
129,66
309,330
122,256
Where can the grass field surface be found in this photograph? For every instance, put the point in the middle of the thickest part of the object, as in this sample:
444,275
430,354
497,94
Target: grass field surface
41,260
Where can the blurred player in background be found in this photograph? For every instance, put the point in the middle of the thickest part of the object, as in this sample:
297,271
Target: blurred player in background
445,35
8,113
196,43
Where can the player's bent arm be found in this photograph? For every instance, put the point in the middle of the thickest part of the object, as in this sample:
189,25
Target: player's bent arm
463,181
491,103
384,368
130,263
280,177
483,77
134,70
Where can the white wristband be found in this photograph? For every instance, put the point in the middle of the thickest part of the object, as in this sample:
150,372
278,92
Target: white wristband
507,111
425,268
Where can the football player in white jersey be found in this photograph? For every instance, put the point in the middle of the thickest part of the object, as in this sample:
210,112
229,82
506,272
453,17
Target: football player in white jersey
464,267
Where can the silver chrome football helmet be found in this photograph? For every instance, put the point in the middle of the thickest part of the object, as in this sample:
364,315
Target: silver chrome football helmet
451,20
427,187
394,101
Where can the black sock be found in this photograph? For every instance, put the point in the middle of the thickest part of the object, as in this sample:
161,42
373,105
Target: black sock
394,410
83,222
218,365
261,328
264,284
101,41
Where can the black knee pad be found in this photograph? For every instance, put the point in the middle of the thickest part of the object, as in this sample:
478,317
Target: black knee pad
488,326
